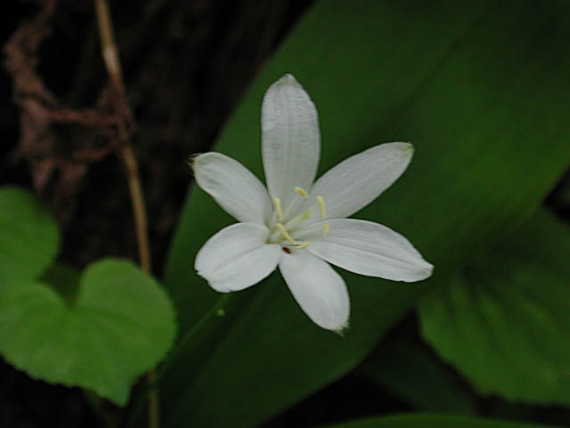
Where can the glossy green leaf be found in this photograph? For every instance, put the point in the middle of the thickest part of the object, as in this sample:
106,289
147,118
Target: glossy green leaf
120,325
472,87
432,420
503,319
28,236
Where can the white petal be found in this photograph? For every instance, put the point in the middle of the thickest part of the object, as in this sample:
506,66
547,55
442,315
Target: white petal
358,180
233,186
291,140
370,249
237,257
319,290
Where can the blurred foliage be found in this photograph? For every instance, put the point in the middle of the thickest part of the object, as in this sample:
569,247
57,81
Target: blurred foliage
502,318
472,87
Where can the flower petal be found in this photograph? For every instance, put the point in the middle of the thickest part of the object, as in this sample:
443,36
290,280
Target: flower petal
233,187
237,257
358,180
319,290
291,139
370,249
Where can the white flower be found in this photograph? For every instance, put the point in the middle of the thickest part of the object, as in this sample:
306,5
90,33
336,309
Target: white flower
299,225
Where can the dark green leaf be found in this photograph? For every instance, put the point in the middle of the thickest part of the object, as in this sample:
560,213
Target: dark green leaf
480,88
409,371
503,320
432,420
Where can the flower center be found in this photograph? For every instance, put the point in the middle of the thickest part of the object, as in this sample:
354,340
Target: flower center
283,230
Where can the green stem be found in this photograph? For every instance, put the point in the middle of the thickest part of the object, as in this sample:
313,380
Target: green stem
215,311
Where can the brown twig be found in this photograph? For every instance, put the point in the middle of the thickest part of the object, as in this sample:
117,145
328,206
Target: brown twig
52,160
126,152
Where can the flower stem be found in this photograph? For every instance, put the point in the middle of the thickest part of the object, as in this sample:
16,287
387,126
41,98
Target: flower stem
110,56
217,310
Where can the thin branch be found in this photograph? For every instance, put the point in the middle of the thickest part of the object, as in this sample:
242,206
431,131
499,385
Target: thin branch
138,204
113,65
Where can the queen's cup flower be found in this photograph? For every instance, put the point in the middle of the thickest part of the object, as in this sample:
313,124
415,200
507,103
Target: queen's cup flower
298,224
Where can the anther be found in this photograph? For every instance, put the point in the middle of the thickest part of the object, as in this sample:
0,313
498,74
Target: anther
302,245
301,191
326,229
322,206
278,208
284,232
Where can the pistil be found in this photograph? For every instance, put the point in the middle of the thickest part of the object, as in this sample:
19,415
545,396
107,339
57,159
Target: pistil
284,232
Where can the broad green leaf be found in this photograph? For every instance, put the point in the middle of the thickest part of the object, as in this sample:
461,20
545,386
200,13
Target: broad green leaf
120,325
433,420
503,319
412,373
472,86
28,236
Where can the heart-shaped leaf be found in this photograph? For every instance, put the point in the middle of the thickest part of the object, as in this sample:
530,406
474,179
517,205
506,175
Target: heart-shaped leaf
30,237
503,320
120,324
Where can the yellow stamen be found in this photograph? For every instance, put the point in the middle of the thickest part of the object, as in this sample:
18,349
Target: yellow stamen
278,208
303,245
322,206
284,232
326,229
301,191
